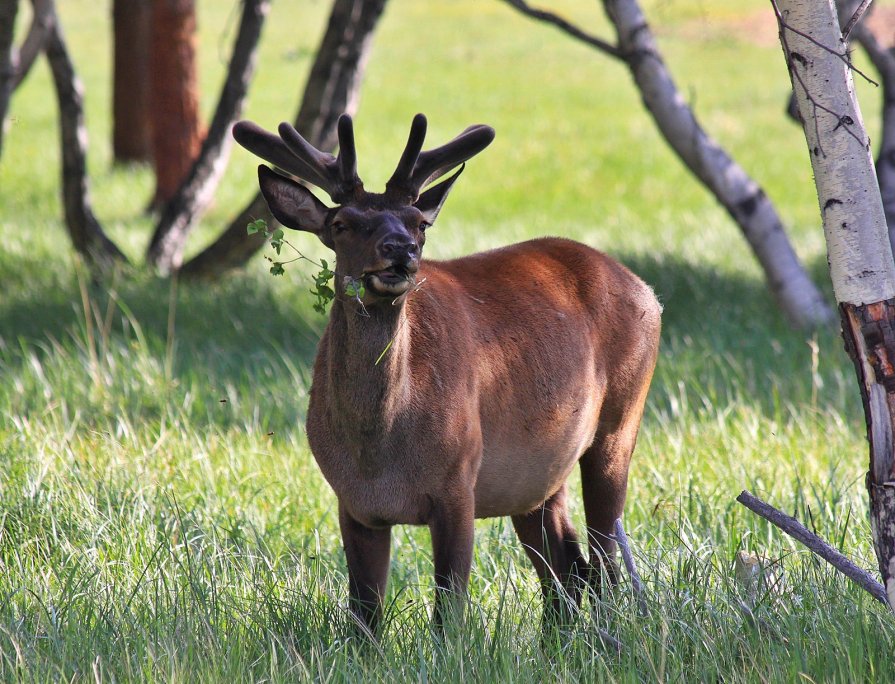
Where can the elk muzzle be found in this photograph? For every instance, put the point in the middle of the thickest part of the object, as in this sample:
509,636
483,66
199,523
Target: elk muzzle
395,274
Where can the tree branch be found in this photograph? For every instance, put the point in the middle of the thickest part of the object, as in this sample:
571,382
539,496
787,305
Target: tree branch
333,87
628,558
740,195
567,27
33,44
86,233
8,11
815,544
196,191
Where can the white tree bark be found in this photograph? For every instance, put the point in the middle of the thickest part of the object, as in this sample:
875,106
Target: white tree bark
860,256
802,303
861,265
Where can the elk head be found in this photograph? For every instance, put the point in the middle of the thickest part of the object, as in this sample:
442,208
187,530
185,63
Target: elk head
378,238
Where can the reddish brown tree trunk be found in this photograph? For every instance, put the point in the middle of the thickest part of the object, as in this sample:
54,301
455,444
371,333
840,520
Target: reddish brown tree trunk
131,133
174,97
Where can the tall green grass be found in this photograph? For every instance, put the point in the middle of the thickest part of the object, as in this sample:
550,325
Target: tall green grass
161,517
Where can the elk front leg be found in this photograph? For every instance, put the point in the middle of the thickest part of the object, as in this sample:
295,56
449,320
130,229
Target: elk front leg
367,552
452,528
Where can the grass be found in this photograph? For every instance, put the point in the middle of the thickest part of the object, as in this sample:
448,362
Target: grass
162,518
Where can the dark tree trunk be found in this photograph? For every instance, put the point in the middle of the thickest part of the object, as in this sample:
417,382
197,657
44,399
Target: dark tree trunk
8,11
173,92
333,87
33,44
131,132
86,233
194,194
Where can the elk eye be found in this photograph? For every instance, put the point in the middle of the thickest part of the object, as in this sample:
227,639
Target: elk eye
424,225
338,225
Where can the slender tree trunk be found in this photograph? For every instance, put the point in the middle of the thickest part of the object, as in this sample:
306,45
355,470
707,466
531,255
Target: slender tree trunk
333,87
8,11
33,45
131,131
884,60
174,96
740,195
194,194
860,257
86,233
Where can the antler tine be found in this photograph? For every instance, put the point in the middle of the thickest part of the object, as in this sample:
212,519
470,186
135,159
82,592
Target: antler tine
337,175
272,149
319,163
397,184
417,169
435,163
347,152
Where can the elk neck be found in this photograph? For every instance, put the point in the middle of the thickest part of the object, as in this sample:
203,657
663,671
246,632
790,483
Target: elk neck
366,396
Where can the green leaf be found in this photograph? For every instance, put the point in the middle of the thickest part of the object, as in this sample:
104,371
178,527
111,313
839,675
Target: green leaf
277,269
278,234
257,226
354,288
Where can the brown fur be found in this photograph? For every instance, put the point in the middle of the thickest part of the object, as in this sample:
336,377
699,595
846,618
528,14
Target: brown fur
506,369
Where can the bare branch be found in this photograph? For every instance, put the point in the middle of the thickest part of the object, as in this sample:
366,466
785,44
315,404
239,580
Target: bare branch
8,11
622,539
856,17
843,56
33,44
567,27
815,544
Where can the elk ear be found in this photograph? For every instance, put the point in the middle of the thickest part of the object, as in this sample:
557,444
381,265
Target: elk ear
431,201
292,204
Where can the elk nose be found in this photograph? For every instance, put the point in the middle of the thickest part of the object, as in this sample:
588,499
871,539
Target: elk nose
398,247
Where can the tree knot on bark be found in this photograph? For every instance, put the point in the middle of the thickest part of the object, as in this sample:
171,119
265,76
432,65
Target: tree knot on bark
798,57
747,206
845,120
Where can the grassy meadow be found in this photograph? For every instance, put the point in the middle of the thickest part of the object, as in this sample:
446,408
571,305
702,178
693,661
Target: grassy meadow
161,515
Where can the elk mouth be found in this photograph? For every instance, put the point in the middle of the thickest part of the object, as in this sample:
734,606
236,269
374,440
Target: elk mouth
392,280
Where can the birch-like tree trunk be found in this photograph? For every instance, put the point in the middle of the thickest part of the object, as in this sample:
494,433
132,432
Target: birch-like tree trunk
883,59
860,256
743,198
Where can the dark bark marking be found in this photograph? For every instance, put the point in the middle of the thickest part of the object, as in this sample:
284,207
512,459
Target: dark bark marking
748,205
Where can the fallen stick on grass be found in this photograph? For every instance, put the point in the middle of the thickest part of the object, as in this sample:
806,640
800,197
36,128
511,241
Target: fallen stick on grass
622,539
815,544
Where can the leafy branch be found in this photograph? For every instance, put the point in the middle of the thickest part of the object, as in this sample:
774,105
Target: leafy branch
322,291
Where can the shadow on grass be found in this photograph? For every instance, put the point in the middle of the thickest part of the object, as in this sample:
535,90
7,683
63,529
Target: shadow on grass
724,339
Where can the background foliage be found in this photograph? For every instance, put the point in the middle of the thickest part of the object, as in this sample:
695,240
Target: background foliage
162,517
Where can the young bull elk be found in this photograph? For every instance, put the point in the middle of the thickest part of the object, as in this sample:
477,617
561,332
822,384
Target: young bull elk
502,370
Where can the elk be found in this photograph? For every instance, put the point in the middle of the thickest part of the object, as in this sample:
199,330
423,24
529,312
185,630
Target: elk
501,371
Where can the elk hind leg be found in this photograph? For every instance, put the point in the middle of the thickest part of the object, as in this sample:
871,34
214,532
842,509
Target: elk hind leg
552,546
604,482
